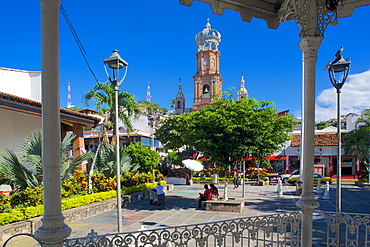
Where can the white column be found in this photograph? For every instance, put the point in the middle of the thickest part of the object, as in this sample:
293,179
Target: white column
309,46
53,230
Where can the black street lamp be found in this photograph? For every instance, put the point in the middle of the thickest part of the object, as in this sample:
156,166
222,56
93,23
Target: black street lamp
115,62
338,66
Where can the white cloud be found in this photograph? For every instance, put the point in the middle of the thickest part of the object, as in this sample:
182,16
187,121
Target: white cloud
355,97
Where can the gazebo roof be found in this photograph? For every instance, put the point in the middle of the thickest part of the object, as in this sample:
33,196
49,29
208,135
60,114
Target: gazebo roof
272,11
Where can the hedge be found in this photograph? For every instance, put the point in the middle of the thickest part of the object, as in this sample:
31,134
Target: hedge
20,214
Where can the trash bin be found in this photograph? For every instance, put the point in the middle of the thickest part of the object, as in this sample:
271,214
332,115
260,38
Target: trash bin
214,178
298,188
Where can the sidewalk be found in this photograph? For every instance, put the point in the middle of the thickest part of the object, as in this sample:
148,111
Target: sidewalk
181,208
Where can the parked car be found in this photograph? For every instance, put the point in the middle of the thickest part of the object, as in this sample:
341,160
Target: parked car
285,177
316,176
273,176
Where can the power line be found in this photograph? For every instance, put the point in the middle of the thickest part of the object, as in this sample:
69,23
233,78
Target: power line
77,39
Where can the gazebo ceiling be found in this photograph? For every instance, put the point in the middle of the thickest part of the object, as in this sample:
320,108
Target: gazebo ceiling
275,11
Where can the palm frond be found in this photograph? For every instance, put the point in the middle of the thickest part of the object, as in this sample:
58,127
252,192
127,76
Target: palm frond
68,167
16,173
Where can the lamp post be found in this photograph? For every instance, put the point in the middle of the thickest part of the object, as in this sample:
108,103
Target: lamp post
153,143
115,62
341,66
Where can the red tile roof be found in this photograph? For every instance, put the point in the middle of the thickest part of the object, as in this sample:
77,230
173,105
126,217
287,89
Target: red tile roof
320,140
16,103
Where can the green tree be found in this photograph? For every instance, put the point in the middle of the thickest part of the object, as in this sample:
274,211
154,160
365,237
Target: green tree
174,158
146,158
26,171
322,125
151,106
357,141
228,130
172,102
170,133
74,108
103,96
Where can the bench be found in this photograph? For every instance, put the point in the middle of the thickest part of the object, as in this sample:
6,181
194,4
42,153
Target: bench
231,205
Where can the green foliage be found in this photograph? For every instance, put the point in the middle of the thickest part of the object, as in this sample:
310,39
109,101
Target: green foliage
28,197
106,161
228,130
103,96
357,141
134,179
146,158
151,106
10,215
13,216
102,183
5,201
322,125
170,133
26,172
74,108
174,158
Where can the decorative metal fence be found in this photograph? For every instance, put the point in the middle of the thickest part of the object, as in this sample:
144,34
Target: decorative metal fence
272,230
347,229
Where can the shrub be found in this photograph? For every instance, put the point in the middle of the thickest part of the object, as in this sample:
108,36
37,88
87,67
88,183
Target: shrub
18,214
27,197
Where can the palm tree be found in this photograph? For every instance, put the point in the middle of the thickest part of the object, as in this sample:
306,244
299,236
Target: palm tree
106,162
357,141
365,118
26,171
103,96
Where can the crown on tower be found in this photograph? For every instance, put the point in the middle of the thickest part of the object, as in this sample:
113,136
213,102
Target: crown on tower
208,39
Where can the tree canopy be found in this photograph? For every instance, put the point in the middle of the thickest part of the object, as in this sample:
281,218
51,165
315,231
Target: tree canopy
357,141
103,96
228,130
146,158
151,106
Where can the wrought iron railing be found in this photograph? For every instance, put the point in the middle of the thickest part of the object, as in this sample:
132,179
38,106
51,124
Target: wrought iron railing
347,229
329,229
271,230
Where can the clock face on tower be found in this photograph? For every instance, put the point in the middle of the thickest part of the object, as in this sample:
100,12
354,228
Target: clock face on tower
205,62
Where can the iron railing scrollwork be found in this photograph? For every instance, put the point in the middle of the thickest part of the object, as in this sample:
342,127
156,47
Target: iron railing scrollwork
271,230
347,229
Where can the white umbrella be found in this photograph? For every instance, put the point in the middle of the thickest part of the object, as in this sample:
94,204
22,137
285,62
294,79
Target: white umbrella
193,165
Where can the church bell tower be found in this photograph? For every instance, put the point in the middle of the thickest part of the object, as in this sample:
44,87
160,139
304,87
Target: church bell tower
207,80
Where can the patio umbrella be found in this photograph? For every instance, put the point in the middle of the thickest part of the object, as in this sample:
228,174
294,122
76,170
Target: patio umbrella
193,165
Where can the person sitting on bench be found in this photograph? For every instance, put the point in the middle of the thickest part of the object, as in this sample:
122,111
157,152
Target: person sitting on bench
214,191
207,195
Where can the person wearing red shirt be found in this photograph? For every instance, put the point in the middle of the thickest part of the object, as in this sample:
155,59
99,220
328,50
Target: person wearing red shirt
214,191
207,195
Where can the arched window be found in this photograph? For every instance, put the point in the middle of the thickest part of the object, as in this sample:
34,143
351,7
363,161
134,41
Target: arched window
206,89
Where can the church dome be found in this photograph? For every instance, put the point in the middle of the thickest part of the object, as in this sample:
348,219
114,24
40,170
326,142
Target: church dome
208,39
179,95
242,90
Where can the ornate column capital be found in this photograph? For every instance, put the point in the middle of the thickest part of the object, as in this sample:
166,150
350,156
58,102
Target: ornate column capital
313,16
310,45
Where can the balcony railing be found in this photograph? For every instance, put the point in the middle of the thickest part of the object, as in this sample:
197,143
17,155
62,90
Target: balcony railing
271,230
329,229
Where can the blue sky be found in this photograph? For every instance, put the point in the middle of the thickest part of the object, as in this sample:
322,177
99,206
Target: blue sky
156,38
